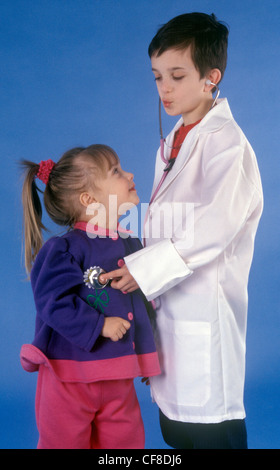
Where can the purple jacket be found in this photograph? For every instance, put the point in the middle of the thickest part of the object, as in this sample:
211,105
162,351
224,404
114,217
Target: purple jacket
70,315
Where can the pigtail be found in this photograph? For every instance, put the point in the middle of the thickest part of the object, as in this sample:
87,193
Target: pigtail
32,214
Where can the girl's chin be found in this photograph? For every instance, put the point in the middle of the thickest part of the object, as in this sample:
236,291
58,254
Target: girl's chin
128,206
135,197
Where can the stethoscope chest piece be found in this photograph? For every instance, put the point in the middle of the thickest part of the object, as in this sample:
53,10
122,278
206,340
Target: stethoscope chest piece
91,278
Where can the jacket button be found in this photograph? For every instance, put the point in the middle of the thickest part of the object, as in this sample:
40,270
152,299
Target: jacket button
121,263
130,316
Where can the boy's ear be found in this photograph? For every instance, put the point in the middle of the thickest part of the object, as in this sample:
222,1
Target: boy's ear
214,76
86,199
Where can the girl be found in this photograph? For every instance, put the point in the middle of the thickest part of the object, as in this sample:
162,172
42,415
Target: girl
90,340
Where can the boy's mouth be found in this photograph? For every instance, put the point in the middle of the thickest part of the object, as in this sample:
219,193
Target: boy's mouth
166,104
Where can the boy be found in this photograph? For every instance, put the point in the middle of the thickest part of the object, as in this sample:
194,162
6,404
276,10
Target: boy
200,288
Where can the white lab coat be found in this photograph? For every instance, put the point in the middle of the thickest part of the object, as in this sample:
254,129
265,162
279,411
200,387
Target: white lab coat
199,280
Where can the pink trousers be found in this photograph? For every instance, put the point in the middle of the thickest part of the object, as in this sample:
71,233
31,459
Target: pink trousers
99,415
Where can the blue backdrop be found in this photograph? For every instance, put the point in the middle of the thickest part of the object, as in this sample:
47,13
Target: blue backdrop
76,73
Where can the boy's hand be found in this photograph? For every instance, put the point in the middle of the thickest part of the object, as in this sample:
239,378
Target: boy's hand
121,279
115,328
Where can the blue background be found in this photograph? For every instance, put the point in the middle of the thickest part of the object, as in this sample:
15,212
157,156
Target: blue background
77,73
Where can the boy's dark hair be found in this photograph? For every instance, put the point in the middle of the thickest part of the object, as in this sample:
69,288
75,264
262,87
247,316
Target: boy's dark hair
207,37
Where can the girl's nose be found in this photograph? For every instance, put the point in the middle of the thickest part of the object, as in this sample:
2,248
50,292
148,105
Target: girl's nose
129,176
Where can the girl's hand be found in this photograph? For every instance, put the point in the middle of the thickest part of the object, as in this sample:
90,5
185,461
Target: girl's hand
121,279
115,328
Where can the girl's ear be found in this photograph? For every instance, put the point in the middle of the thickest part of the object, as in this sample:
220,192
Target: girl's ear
86,199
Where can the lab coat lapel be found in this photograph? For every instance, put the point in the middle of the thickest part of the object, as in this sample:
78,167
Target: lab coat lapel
214,119
181,159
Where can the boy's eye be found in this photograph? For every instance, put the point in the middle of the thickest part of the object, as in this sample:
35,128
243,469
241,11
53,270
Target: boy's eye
174,77
178,78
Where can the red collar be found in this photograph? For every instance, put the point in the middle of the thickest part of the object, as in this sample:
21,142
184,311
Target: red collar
180,136
95,229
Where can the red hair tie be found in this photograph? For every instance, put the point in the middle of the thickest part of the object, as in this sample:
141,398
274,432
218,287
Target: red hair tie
44,171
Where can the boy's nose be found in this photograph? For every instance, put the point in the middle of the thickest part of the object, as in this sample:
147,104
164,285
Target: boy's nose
165,86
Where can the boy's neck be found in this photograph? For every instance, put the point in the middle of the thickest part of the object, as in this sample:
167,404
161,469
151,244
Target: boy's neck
198,113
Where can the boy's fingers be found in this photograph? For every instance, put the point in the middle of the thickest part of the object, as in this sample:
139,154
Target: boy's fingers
111,275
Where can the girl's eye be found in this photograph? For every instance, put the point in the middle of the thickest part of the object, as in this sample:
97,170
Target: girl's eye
157,78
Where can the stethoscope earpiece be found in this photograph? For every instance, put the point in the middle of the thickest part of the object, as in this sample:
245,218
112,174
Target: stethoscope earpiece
208,82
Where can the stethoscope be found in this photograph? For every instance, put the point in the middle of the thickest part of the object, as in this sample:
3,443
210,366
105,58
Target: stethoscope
170,162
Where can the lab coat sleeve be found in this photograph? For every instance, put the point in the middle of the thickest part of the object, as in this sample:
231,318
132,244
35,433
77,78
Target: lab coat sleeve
228,197
157,268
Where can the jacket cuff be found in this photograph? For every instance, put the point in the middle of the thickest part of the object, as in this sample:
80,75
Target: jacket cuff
157,268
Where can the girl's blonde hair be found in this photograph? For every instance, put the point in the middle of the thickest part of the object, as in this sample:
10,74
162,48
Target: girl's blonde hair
76,171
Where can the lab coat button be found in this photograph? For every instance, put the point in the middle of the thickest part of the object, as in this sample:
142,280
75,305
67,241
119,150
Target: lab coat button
130,316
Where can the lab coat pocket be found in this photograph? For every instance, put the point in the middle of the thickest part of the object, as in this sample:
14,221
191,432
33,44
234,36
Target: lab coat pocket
186,360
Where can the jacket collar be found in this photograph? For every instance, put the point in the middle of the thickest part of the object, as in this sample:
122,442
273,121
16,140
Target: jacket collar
100,231
214,120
